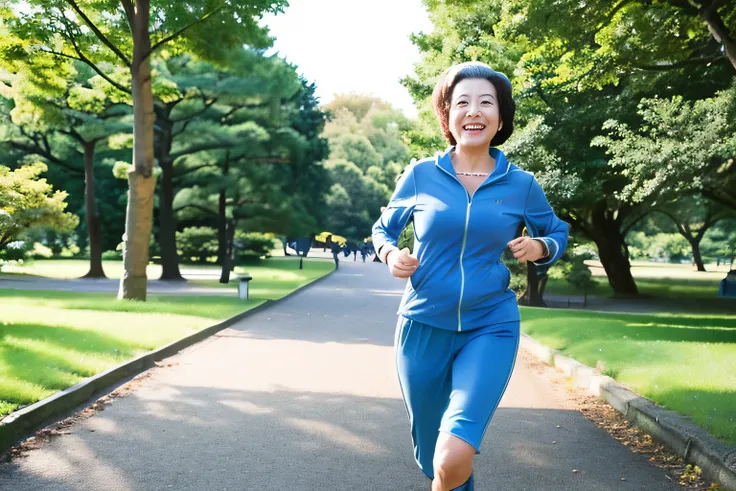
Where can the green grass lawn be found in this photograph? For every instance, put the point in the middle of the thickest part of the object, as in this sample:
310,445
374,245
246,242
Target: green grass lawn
664,281
51,340
665,288
684,362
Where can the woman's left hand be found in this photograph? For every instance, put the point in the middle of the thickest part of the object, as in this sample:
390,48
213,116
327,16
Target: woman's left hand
526,249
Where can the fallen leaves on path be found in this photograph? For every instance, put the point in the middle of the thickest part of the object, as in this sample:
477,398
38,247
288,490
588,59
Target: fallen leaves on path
62,427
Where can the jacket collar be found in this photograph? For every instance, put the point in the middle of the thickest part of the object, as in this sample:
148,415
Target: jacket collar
502,165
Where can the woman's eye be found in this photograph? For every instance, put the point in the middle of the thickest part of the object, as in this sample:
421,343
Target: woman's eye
488,103
461,103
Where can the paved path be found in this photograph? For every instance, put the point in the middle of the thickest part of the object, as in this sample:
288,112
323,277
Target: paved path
302,397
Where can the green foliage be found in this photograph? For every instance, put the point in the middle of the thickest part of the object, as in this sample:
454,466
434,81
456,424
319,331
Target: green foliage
196,243
667,247
682,146
40,251
578,274
263,161
250,246
720,241
367,154
112,255
601,43
27,201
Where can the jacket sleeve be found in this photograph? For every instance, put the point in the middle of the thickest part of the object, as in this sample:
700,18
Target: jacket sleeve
396,216
542,223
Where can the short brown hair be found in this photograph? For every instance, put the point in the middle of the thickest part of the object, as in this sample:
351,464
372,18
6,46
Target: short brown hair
473,69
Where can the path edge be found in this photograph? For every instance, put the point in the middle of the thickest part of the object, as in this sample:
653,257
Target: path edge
25,422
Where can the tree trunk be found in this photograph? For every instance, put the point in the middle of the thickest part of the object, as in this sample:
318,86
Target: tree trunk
606,232
697,258
141,180
93,219
720,33
227,262
532,296
611,249
222,227
167,222
222,211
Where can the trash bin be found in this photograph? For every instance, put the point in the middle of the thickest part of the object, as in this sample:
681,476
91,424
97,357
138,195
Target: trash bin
728,285
243,282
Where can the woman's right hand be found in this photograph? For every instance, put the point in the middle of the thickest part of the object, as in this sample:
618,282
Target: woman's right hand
401,264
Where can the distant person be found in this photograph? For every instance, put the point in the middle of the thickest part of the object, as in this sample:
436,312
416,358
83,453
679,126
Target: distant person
458,330
335,248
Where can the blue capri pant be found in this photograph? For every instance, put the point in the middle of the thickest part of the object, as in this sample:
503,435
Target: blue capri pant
452,382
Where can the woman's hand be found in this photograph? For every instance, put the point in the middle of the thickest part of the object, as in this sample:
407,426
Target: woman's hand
401,264
527,249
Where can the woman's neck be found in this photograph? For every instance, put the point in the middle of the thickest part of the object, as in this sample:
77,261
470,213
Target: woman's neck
477,159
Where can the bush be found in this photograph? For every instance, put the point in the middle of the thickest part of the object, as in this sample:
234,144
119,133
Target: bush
15,251
40,251
112,255
252,246
196,243
578,274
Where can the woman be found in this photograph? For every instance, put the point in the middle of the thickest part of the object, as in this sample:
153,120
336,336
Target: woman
458,329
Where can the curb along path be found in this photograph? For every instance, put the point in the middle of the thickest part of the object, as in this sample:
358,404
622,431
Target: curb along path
24,422
689,441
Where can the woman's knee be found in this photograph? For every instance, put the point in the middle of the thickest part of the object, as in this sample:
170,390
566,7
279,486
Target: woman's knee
453,459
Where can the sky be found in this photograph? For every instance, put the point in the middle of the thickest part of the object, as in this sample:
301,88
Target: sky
352,46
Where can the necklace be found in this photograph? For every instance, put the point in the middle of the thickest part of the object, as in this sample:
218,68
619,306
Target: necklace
471,174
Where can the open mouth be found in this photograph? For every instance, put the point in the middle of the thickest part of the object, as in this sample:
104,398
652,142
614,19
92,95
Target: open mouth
474,127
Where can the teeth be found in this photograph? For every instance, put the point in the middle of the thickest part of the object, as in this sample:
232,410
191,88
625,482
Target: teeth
474,127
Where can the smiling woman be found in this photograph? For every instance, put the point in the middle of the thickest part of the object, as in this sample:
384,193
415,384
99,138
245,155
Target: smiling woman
458,333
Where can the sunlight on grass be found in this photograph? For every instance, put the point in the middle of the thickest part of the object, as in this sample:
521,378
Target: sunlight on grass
50,340
684,362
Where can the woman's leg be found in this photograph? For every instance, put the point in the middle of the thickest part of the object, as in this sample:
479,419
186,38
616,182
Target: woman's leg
453,463
480,374
423,360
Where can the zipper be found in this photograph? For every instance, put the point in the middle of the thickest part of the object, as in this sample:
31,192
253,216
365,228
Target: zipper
465,235
462,270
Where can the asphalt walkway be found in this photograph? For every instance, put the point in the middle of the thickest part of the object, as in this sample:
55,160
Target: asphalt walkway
304,396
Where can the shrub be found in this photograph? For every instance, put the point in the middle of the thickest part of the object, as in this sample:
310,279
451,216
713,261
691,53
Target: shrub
15,251
40,251
112,255
196,243
578,274
252,246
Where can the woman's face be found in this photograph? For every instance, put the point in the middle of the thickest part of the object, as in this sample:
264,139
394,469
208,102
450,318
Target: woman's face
474,113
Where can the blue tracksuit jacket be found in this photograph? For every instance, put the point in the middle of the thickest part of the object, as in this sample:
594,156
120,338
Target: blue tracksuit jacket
461,283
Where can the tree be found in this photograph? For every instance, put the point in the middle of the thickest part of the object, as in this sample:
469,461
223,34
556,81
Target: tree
367,153
681,147
600,42
120,33
64,120
29,202
694,216
190,121
265,177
